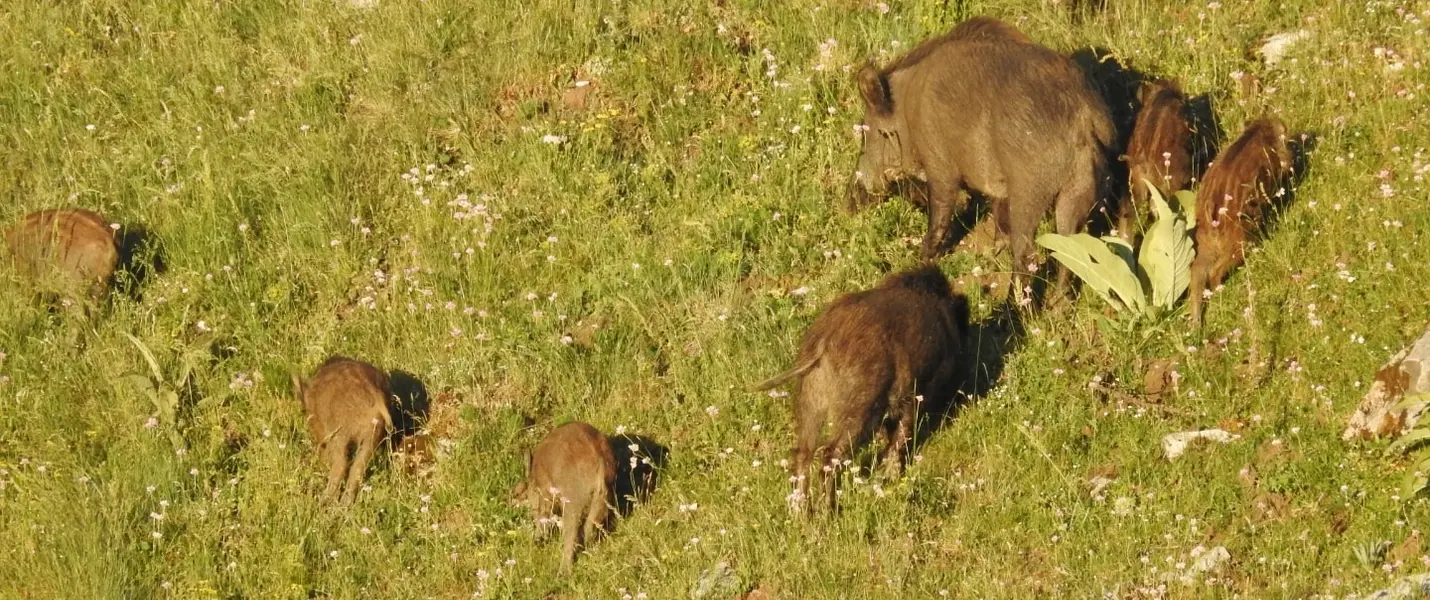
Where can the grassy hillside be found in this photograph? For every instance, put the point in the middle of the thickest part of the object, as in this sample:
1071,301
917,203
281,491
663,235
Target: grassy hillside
417,184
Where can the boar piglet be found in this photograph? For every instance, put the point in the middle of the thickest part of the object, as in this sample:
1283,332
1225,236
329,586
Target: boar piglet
983,108
348,416
869,360
1233,196
68,251
1160,151
571,473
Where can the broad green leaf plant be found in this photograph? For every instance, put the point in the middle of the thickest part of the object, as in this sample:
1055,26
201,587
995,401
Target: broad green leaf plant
163,391
1145,282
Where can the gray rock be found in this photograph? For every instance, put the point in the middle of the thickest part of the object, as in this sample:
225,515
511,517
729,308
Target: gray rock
719,581
1381,412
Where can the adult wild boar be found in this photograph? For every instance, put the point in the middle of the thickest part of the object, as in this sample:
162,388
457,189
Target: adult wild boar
71,252
983,108
866,361
1160,151
1231,200
571,473
988,28
348,416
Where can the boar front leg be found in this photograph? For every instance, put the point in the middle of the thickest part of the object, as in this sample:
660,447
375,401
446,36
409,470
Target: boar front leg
1072,207
946,201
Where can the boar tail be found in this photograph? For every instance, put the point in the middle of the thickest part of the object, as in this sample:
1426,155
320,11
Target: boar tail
798,371
386,415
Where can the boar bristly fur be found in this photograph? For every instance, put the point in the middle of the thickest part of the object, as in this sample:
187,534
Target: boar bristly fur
71,252
348,415
1160,151
870,359
571,473
987,28
983,108
1231,202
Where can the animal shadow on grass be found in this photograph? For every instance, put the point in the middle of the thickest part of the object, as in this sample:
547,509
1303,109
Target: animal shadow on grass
639,461
976,208
981,364
140,257
1301,145
1206,133
1117,84
410,404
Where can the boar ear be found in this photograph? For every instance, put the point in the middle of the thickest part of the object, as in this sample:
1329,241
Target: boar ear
875,90
1279,127
1143,92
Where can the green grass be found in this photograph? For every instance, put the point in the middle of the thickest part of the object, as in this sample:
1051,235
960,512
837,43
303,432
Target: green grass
264,144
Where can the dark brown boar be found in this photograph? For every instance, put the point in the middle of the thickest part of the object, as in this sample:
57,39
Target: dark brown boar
348,416
1160,151
866,361
985,109
571,473
1237,189
69,251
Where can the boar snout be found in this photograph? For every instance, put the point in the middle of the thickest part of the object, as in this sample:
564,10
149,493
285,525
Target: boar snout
857,196
517,498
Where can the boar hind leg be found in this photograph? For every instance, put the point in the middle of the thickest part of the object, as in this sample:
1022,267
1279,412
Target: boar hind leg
358,469
839,450
598,515
545,516
946,200
572,515
804,459
905,410
335,453
809,415
1020,245
1208,273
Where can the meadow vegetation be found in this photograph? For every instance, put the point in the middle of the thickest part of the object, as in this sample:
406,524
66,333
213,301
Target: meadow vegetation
422,184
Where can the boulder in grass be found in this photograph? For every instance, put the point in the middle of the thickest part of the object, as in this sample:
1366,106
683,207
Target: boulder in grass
1382,412
1413,587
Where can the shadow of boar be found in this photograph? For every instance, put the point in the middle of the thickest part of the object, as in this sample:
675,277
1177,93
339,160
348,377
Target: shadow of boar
571,473
71,253
1160,151
348,416
868,361
639,460
1238,187
984,109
